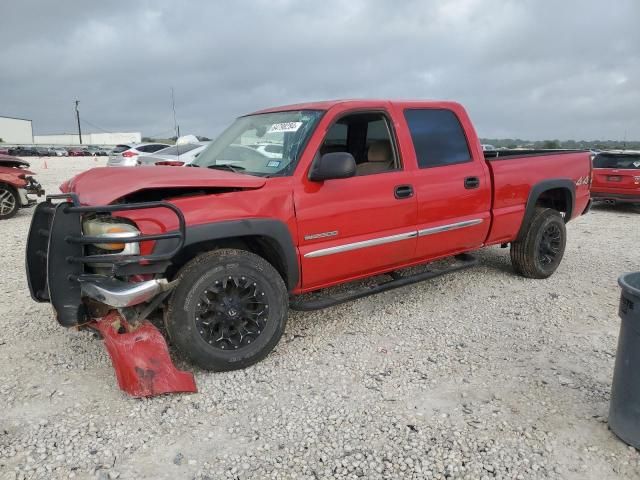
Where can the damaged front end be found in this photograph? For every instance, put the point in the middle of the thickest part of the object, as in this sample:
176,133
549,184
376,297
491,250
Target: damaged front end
87,264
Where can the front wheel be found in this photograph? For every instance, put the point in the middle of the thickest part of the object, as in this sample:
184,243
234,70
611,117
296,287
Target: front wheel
9,201
228,311
539,253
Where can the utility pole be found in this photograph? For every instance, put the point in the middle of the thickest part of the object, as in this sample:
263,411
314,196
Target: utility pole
78,119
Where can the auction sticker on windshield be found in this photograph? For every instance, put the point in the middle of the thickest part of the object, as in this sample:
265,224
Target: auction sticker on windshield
285,127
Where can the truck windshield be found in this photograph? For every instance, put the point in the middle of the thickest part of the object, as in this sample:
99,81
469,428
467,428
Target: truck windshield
267,144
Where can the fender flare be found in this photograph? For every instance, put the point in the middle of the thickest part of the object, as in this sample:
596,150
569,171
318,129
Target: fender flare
537,190
275,230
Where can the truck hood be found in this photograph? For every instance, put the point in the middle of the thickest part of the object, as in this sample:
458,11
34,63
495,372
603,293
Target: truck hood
102,186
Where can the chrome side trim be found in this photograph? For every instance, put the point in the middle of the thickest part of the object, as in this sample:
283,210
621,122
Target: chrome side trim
363,244
451,226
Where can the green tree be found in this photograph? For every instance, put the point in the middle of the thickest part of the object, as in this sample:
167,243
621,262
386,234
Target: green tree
550,144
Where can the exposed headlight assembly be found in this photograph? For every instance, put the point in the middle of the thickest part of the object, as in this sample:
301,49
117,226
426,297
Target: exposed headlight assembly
112,229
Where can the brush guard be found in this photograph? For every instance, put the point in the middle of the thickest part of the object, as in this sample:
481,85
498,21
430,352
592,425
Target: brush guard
55,263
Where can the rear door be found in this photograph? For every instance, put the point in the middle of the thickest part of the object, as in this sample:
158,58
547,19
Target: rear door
358,226
452,181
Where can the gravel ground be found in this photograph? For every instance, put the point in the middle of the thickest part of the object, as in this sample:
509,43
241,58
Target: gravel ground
479,374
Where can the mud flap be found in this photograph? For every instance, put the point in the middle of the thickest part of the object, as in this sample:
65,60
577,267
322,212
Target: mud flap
141,358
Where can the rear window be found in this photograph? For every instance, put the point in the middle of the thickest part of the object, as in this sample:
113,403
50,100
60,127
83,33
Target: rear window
152,148
120,148
178,149
438,137
617,161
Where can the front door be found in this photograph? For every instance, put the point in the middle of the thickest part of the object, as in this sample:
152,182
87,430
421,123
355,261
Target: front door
354,227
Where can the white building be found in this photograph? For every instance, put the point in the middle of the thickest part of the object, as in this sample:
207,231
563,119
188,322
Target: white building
15,130
89,138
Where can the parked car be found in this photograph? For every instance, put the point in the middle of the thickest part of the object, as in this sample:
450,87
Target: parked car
271,150
60,152
129,157
42,151
616,177
4,150
176,155
78,152
16,186
363,188
21,151
97,151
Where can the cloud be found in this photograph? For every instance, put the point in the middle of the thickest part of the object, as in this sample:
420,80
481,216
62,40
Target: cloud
529,69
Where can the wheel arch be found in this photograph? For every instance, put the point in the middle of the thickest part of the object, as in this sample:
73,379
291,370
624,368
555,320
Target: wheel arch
558,194
268,238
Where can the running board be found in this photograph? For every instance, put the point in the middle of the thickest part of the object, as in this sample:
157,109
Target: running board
463,261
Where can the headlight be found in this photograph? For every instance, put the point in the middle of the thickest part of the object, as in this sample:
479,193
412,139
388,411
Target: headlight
112,228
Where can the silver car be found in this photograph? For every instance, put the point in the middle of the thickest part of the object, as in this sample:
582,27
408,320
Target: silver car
129,155
175,155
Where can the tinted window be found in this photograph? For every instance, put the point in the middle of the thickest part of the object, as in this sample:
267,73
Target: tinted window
273,148
151,148
437,137
617,161
179,149
120,148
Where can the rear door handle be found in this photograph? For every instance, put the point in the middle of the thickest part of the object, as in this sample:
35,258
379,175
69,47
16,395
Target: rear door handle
403,191
471,182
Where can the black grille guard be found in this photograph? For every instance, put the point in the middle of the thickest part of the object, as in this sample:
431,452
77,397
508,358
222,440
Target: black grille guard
123,259
56,259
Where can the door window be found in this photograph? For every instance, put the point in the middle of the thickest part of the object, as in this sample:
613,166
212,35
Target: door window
368,138
438,137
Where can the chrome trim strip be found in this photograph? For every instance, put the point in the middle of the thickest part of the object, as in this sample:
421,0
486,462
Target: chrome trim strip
451,226
363,244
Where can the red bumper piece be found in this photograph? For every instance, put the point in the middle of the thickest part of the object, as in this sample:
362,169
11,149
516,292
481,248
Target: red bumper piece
141,358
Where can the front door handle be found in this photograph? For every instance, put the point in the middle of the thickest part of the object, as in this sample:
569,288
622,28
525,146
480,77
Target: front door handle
471,182
403,191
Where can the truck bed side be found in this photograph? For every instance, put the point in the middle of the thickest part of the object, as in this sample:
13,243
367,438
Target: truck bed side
520,181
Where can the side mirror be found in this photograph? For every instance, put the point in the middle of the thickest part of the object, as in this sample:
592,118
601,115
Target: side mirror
332,165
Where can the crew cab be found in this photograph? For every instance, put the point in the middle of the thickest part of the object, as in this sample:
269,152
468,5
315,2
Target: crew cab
616,177
358,189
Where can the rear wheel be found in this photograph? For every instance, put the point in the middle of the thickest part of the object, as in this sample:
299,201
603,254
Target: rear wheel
9,201
541,250
228,311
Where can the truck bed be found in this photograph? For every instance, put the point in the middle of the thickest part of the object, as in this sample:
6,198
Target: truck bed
515,172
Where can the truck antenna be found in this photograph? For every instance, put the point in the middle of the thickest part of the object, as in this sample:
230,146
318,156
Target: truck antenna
175,122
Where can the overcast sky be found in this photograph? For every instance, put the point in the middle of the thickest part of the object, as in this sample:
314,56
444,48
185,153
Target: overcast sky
531,69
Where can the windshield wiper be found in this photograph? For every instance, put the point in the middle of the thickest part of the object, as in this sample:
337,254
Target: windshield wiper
227,166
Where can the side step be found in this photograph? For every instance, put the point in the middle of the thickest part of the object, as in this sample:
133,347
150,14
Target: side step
319,302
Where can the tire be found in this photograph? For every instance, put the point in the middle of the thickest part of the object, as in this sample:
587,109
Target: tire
210,323
9,201
541,250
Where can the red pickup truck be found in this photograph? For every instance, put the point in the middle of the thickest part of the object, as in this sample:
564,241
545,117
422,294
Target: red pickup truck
616,177
354,189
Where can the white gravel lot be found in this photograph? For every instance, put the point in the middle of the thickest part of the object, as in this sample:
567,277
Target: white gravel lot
479,374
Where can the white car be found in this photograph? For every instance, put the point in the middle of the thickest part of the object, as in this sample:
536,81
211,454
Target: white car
269,150
60,152
127,156
176,155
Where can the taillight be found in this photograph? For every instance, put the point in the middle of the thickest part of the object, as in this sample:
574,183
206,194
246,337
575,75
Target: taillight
129,153
170,163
